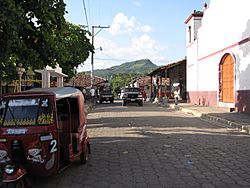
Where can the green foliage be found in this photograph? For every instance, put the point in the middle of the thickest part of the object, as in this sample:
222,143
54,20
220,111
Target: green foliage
76,47
31,31
119,81
120,76
35,33
11,67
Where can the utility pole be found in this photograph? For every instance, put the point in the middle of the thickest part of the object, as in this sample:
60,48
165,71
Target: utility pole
92,54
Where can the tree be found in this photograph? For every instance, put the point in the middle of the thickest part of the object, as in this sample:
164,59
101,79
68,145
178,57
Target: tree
119,81
10,21
31,30
36,34
7,71
76,47
28,33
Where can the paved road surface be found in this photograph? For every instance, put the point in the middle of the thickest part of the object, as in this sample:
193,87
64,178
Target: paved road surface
152,146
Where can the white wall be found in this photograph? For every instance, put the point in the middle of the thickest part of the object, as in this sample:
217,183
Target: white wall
225,23
192,67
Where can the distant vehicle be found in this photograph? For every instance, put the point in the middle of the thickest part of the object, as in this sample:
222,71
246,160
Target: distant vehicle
132,95
106,95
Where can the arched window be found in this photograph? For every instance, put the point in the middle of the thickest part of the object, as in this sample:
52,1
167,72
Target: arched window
189,34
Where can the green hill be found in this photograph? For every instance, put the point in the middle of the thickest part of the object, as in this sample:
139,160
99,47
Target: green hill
140,67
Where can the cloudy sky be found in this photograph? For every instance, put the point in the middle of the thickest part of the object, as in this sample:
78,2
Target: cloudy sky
138,29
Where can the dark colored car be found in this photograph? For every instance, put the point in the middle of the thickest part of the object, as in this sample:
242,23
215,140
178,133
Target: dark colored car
132,95
106,95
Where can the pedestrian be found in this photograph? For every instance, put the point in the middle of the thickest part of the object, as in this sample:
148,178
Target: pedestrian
144,95
92,93
84,92
176,95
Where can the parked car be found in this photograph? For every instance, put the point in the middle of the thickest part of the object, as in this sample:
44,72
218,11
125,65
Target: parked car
106,95
132,95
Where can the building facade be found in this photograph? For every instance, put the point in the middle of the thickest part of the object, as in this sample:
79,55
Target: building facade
164,78
218,55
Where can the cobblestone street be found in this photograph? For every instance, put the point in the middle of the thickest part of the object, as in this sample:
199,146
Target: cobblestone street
152,146
124,94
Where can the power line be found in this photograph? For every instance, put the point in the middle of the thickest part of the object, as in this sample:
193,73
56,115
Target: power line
86,16
90,18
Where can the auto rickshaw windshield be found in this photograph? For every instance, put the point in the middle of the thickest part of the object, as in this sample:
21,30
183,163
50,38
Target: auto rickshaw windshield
25,112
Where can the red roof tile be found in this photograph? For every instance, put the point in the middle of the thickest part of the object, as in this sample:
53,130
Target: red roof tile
84,80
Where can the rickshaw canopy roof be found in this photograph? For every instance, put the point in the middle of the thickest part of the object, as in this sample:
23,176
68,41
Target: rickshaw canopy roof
60,92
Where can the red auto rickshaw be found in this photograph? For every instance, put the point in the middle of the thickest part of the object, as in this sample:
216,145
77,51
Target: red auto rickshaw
42,130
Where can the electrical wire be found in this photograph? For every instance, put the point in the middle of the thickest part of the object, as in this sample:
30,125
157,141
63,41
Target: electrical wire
90,18
86,16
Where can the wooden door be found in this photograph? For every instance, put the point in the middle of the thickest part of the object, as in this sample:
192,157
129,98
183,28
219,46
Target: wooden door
228,79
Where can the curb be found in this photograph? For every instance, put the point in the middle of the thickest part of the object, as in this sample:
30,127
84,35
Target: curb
222,120
232,124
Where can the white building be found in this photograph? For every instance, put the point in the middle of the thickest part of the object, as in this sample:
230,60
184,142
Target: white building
218,55
49,72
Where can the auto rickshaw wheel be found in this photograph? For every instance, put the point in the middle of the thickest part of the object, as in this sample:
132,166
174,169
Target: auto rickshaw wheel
17,184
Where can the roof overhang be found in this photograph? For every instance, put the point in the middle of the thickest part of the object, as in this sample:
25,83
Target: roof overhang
194,14
163,68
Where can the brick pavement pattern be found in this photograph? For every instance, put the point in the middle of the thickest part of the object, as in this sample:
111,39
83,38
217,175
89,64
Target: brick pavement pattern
152,146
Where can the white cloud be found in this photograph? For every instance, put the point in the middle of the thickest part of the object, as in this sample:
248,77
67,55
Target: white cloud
122,24
146,29
143,47
138,45
144,42
114,29
146,47
137,3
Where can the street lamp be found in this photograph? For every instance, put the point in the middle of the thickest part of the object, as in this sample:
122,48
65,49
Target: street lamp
20,70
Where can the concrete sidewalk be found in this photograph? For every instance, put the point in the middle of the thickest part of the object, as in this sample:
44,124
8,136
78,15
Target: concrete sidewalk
237,120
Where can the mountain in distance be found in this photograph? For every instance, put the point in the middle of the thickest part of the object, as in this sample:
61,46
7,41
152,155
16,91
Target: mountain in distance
141,67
